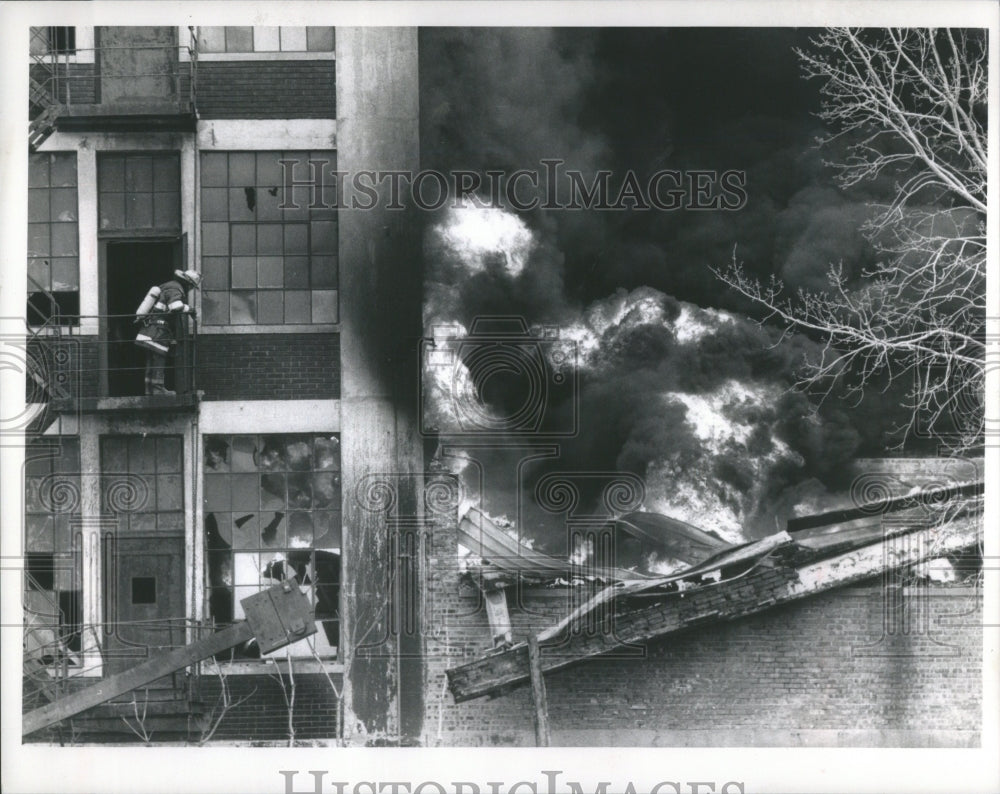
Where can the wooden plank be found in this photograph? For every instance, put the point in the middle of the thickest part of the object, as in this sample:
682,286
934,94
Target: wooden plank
145,673
538,692
761,588
880,506
498,616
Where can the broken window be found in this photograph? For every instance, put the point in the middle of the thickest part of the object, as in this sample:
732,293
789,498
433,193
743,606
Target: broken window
268,258
272,512
53,239
53,598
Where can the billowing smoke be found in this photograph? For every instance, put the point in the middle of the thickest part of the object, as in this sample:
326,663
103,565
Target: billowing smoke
675,384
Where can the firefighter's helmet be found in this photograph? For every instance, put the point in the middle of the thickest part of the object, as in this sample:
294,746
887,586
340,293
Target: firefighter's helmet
191,278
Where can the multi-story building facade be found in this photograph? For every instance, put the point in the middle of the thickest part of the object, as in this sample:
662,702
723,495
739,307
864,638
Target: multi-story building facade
149,517
290,446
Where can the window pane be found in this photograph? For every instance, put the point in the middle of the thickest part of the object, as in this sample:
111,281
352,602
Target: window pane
63,203
270,270
270,307
169,494
297,306
242,200
112,210
269,239
269,173
241,169
244,272
296,271
215,272
324,306
244,239
273,531
215,239
169,455
293,39
300,530
265,39
319,39
111,173
215,308
142,453
217,495
64,239
166,211
138,174
166,173
326,489
245,492
65,274
326,529
39,271
217,453
243,308
63,173
213,169
139,210
323,237
326,452
212,39
323,271
38,205
272,491
214,204
38,170
239,39
298,453
243,453
38,239
296,239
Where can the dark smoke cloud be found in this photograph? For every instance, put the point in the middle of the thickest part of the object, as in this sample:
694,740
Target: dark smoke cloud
644,100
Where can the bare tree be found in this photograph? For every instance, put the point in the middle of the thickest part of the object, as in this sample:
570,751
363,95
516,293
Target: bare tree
907,110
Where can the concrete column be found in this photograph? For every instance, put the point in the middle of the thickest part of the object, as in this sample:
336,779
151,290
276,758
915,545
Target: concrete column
380,310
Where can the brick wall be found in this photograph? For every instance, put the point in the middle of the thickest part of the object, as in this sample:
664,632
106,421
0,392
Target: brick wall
266,90
76,85
269,366
263,717
70,365
818,672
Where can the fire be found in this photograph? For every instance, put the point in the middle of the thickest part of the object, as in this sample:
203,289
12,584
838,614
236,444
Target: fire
477,236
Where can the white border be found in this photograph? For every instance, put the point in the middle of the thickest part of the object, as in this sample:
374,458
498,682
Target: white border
45,769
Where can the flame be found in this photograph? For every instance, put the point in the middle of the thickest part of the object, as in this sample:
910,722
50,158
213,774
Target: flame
475,236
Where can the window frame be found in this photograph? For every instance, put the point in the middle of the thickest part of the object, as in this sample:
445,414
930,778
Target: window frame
217,222
266,55
236,590
70,318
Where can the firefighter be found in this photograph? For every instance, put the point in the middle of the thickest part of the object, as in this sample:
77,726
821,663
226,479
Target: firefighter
158,314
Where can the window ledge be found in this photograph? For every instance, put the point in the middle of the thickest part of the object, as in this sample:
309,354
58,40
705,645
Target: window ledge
319,328
287,55
269,666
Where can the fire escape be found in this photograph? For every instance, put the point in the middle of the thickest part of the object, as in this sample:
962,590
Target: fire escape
76,364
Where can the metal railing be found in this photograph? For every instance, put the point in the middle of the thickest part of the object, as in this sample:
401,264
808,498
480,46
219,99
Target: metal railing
111,364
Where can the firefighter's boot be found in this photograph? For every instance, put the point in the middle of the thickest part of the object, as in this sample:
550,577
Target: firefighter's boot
157,374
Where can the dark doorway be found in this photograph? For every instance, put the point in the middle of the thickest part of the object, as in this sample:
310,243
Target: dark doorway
132,268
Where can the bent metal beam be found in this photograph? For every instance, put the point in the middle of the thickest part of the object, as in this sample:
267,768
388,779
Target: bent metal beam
787,573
